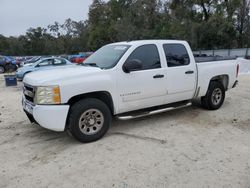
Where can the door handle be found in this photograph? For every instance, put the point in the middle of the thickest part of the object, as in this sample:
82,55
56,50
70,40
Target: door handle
189,72
158,76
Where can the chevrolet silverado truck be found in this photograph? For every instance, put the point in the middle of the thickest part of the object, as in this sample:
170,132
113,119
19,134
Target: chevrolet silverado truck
126,80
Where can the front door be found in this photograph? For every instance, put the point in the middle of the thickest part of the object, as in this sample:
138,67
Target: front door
142,88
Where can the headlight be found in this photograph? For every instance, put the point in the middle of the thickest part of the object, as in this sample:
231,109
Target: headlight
48,95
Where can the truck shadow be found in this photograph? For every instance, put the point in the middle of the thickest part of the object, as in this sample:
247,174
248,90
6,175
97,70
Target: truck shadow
38,135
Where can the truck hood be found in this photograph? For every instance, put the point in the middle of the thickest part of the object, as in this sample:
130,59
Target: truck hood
58,75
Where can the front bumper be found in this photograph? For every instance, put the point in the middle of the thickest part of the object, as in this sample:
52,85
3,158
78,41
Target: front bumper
52,117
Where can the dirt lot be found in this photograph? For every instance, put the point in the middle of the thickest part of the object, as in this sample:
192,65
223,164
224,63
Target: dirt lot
190,147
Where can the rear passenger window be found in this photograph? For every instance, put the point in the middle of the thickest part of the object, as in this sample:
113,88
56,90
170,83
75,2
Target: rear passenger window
46,62
59,62
148,55
176,55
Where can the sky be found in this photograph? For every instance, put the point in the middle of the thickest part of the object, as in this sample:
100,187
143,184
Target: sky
16,16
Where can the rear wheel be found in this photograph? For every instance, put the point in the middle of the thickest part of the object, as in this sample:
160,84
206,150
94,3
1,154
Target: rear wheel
214,97
89,120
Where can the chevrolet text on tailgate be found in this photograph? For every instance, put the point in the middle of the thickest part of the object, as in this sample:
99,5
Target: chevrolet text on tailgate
126,80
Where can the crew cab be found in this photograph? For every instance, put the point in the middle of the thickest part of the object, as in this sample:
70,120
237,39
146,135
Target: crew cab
126,80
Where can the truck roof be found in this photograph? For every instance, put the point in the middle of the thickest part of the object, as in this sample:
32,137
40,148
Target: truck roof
141,42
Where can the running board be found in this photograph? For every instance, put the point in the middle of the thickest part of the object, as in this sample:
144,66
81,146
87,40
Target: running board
149,113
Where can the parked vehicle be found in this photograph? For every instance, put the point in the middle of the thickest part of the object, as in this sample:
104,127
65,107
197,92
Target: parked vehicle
7,64
127,80
31,61
79,58
42,64
17,60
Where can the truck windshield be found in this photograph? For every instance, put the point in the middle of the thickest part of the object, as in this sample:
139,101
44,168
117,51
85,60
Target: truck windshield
107,56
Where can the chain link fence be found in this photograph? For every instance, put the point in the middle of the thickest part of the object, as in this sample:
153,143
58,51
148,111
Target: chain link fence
240,52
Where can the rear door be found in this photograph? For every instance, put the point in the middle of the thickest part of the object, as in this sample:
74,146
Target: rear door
181,72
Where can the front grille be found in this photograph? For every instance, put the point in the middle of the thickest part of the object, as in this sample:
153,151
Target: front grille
29,93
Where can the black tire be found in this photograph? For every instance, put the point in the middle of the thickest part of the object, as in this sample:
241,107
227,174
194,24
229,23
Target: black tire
77,113
214,97
2,69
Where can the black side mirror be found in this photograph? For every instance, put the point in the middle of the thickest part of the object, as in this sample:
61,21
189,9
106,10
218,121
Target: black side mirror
132,65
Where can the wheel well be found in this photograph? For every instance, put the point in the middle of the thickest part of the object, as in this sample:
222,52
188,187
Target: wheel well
104,96
223,79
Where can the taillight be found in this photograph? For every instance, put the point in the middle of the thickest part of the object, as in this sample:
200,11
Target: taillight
237,70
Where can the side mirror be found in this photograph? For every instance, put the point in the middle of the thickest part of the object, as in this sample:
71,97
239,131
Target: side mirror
132,65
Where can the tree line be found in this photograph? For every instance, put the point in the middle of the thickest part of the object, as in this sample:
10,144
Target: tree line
205,24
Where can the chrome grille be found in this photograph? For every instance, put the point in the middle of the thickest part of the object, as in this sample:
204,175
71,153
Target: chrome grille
29,93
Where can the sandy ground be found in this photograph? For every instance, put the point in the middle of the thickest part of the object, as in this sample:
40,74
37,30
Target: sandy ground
190,147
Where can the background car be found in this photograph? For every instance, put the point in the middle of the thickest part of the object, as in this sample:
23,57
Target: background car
7,64
31,61
42,64
79,58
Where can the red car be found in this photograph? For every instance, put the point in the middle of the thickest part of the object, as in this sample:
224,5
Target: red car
80,58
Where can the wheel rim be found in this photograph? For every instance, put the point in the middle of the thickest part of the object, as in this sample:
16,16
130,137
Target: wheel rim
91,121
216,96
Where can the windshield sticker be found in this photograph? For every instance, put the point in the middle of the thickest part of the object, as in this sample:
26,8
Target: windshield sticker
120,48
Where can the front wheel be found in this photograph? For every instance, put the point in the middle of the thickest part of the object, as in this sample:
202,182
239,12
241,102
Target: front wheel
214,97
89,120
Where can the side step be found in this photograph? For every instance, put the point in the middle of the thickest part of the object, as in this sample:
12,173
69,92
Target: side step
138,114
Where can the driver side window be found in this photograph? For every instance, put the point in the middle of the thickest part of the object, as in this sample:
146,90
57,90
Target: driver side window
148,55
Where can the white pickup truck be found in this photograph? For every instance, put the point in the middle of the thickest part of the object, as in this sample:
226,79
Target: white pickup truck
126,80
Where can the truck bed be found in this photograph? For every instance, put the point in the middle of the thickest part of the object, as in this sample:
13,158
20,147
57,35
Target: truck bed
213,58
211,69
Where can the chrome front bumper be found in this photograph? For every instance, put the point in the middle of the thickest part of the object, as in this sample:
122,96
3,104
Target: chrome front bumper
52,117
